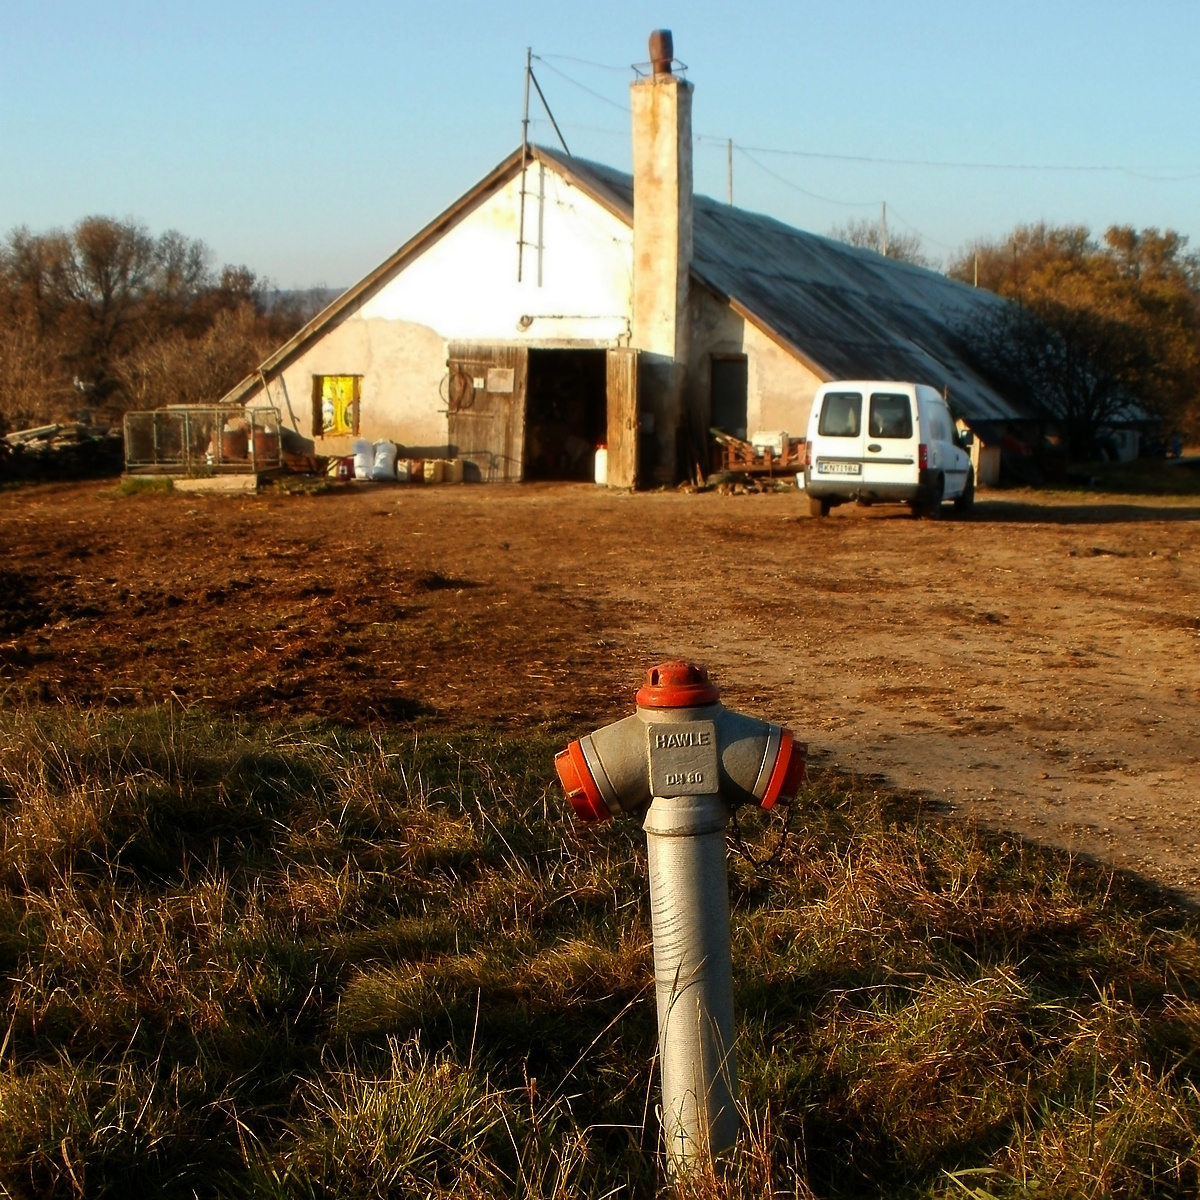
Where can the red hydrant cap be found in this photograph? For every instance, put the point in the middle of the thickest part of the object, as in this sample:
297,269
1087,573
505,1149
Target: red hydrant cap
577,781
788,773
677,684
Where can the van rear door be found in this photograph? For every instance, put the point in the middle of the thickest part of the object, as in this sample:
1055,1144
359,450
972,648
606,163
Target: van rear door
838,445
890,449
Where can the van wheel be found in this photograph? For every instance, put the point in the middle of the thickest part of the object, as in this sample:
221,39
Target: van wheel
932,509
964,502
818,506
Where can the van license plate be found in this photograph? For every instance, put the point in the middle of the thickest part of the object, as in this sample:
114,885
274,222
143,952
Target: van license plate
839,468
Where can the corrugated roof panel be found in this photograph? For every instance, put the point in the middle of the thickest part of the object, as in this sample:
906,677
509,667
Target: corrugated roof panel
855,313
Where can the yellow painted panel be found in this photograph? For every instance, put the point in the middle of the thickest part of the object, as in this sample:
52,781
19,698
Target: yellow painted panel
339,404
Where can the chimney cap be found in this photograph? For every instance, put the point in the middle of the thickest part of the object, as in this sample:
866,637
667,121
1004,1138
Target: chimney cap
662,51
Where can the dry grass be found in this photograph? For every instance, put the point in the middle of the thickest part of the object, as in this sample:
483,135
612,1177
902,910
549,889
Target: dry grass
297,961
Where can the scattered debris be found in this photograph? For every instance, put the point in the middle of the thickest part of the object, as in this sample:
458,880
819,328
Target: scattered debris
68,450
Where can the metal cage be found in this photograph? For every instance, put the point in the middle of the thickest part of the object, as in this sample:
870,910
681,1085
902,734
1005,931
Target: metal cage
202,440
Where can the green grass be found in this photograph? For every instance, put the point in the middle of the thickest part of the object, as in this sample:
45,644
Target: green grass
142,485
293,960
303,485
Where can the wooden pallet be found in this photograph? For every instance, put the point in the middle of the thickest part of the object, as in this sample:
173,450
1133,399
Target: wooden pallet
735,455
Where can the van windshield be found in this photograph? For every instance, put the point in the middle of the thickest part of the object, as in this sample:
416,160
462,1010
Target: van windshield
891,416
841,415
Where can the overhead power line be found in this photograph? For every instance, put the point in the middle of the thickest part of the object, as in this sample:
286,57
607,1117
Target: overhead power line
618,133
1158,175
583,62
797,188
1174,177
582,86
1153,175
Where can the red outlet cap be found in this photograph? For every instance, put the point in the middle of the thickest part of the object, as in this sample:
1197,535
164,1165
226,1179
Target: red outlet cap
788,773
581,789
677,684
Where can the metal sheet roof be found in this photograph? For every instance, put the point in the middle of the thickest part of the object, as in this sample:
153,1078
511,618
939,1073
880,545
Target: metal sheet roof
848,313
852,313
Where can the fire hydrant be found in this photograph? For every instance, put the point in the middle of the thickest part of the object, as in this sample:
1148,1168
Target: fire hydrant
686,762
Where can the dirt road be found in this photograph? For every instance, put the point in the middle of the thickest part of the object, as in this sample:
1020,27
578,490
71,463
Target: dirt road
1035,667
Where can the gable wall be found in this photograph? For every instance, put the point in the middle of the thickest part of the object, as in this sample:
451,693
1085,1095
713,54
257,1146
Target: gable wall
464,288
577,275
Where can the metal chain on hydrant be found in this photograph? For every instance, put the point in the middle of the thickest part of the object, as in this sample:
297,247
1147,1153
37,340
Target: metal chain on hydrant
772,860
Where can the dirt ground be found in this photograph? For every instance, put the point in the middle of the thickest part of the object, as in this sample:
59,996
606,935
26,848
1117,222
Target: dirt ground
1035,667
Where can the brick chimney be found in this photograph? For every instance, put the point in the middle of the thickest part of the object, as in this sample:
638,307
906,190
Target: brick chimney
662,244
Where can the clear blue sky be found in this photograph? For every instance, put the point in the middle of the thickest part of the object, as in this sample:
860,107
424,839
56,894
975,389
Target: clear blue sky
308,140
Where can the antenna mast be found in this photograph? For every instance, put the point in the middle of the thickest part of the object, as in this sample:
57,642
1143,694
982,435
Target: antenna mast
524,162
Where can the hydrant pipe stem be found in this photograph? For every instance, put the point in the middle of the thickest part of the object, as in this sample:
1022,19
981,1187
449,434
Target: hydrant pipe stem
693,971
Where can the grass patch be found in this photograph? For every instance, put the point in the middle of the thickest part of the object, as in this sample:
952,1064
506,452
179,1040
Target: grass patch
143,485
293,960
302,485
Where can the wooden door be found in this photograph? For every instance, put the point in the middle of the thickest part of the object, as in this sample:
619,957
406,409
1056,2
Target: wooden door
622,417
486,403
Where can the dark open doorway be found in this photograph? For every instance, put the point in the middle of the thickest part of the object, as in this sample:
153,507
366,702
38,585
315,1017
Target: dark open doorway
729,394
566,413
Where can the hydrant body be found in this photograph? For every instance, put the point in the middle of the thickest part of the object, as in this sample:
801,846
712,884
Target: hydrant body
693,973
685,761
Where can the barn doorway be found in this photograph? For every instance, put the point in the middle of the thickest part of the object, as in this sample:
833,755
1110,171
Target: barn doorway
729,386
566,412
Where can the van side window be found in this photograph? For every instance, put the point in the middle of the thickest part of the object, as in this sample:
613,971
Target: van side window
841,415
891,416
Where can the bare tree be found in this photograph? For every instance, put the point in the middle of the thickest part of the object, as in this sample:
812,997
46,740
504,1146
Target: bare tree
869,235
106,315
177,369
35,388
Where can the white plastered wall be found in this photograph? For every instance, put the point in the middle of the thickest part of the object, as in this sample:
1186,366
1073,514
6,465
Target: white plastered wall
577,271
779,387
575,290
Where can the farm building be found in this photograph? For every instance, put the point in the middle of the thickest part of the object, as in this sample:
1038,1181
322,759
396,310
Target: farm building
561,304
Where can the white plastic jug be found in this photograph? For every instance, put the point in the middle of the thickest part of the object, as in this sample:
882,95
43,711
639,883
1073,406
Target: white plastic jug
601,470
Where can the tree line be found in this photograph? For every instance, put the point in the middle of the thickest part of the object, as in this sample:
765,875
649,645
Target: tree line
106,317
1101,329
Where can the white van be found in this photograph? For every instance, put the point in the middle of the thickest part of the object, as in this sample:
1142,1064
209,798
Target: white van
877,441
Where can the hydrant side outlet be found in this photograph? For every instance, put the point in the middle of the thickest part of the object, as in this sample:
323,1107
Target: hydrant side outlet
616,759
579,785
788,772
